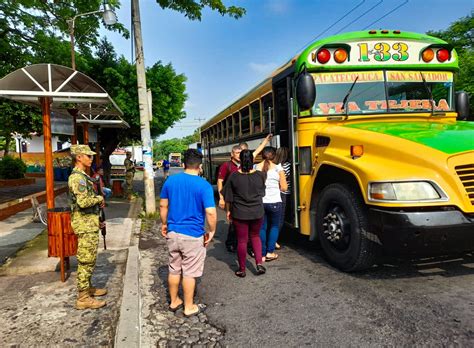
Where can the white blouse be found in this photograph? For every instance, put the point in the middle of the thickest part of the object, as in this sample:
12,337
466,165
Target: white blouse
272,185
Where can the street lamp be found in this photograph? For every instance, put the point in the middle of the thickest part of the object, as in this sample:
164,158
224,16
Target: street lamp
19,138
109,17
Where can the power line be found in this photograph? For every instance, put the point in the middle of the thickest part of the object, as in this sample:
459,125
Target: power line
362,15
385,15
334,23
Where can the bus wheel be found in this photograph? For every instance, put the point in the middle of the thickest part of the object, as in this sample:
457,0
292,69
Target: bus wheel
342,227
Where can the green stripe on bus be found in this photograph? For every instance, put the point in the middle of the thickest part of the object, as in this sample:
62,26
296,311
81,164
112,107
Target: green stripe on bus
448,138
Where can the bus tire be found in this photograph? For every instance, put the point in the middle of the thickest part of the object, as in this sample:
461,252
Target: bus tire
342,228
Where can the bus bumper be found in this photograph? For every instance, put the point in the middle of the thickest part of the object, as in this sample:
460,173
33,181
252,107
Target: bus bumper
423,233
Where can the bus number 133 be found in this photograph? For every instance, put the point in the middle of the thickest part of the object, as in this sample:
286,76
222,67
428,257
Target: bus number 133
382,52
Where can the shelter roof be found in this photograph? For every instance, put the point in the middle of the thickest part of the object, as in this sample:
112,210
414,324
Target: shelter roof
69,90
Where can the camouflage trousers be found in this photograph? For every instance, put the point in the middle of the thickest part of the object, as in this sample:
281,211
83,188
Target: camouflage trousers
129,182
86,258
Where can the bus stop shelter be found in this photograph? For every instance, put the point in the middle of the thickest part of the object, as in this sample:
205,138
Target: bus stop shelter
59,89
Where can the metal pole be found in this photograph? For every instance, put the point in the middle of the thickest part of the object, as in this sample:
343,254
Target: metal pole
73,113
19,146
150,204
48,152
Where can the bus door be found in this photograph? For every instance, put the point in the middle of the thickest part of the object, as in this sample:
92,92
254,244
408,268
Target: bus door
285,128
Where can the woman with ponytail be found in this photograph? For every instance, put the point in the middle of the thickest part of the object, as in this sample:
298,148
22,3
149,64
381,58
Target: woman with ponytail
275,183
243,193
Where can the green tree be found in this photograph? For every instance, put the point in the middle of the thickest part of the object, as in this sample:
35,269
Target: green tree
37,32
118,77
460,34
193,9
162,149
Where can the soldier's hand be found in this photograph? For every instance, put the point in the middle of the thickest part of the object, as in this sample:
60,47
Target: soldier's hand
102,204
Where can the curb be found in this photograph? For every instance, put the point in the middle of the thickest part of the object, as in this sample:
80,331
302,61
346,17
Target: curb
128,332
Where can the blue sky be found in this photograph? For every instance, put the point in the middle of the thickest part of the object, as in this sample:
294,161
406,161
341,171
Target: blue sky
223,57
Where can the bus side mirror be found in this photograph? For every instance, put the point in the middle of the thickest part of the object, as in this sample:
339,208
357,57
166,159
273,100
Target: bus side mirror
462,105
305,91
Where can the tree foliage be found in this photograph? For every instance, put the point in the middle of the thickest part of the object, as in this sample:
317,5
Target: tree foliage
460,34
163,148
33,31
193,9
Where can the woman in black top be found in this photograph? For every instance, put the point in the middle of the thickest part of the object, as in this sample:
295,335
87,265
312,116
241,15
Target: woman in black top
243,193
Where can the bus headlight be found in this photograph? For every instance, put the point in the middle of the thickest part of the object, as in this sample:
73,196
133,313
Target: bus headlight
405,191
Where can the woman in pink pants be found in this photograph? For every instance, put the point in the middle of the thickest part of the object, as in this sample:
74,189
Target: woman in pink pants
243,193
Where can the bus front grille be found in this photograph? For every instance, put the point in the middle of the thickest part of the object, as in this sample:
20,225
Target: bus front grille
466,174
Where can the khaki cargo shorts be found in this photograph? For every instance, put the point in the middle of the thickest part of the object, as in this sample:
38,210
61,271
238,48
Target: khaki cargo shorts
186,255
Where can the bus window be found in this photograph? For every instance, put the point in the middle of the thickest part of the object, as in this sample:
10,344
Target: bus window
236,123
218,133
223,131
245,120
256,117
267,106
228,126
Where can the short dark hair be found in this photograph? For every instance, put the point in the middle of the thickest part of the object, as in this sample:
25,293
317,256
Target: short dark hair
192,159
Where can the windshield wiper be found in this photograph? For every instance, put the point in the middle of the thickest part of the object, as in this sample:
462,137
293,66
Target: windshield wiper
346,98
429,93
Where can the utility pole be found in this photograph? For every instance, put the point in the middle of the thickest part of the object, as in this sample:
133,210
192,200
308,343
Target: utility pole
148,175
199,120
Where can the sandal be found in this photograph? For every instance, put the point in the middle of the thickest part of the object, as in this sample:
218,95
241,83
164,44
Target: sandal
177,308
261,269
271,258
240,274
201,308
277,246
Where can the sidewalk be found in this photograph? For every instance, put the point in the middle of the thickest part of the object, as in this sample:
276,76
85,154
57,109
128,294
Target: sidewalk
18,229
37,309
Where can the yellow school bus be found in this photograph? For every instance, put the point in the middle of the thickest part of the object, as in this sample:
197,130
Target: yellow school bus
381,146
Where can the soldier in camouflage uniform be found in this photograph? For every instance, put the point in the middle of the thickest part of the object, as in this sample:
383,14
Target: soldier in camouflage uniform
85,205
130,172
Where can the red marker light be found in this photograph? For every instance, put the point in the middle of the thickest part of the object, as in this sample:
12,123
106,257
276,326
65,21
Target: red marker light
340,55
442,55
323,56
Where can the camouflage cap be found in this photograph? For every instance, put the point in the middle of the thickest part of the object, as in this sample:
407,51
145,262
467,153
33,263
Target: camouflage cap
81,150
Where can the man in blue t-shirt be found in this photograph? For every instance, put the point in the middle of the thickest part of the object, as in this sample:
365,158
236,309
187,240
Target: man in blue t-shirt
187,200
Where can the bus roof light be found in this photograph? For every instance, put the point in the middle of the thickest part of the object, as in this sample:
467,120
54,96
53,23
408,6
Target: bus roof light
397,32
323,55
427,55
443,55
340,55
384,31
373,32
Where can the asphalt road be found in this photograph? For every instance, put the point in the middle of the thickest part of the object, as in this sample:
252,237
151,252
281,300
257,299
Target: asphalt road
303,301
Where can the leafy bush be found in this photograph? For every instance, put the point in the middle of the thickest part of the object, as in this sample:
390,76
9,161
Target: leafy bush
12,168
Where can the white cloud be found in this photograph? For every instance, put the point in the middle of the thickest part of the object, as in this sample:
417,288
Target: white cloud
264,68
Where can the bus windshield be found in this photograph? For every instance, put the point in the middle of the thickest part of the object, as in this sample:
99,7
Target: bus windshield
382,92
